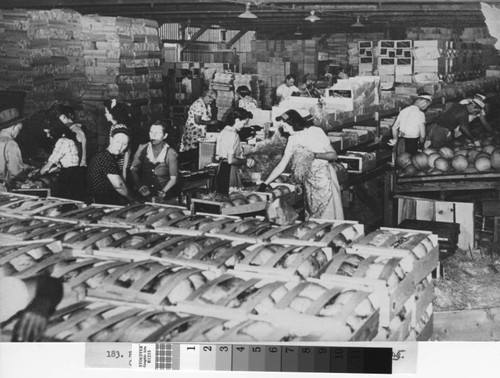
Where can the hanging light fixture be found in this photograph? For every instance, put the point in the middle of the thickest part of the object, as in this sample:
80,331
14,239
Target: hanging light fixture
312,17
357,24
297,32
247,13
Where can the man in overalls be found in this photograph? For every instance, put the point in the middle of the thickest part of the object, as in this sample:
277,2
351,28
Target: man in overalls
154,168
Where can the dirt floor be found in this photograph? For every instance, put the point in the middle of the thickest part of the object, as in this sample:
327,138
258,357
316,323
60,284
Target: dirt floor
471,280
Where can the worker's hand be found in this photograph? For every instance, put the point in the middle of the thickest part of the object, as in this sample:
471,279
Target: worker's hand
262,187
213,122
144,191
30,327
250,163
162,194
392,142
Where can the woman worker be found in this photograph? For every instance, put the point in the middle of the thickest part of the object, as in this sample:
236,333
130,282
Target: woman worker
154,168
229,152
244,99
118,115
105,182
199,117
322,189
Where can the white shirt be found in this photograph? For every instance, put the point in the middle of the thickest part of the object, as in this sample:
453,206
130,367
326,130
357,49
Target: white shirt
411,122
284,91
80,136
313,138
228,143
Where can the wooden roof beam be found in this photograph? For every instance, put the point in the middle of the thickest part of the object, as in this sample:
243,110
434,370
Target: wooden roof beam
236,37
195,36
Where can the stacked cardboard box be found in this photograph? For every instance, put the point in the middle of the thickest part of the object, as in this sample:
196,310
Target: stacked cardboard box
41,55
223,84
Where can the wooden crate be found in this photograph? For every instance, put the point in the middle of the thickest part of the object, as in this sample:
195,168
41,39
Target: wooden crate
88,214
217,207
27,258
198,252
33,229
100,321
41,206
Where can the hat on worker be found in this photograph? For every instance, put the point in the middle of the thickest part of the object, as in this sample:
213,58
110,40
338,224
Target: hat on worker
10,117
425,96
478,103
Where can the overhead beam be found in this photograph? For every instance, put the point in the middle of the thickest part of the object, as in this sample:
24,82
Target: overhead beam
236,37
195,36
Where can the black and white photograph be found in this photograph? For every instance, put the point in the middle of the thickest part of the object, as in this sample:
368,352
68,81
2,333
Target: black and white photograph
272,171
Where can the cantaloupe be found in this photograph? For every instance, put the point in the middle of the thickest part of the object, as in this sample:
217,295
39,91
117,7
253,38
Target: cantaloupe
472,154
429,151
482,164
403,160
431,159
459,163
461,151
495,159
410,170
442,164
435,171
489,149
446,152
419,160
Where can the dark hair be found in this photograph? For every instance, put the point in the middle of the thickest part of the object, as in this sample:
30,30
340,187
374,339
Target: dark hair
58,110
120,130
290,76
58,130
243,90
120,112
238,113
162,124
294,119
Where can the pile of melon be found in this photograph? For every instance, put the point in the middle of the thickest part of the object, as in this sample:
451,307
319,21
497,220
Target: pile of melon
463,158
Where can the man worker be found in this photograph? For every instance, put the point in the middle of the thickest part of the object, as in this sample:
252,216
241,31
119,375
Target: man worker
286,89
455,118
410,124
481,115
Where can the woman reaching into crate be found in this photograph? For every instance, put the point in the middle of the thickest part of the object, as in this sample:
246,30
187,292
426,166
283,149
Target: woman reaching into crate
311,153
229,151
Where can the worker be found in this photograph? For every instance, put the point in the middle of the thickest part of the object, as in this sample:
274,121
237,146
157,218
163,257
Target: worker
286,89
154,168
66,115
481,115
105,182
342,75
410,124
234,61
456,118
65,158
31,302
229,152
199,117
118,115
322,190
244,100
11,162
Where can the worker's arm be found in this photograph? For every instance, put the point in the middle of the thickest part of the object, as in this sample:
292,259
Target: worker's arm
136,166
170,184
486,124
422,132
46,168
120,186
329,155
395,128
279,169
199,121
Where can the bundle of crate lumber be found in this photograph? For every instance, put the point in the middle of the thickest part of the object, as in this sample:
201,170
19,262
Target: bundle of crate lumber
40,54
158,273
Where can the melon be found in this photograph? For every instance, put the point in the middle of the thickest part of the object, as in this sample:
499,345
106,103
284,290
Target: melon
472,154
489,149
403,160
482,164
419,160
459,163
470,170
446,152
435,171
429,151
410,170
495,159
442,164
461,151
431,159
421,173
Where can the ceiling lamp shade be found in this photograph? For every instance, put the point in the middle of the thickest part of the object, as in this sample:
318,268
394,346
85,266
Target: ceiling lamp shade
247,13
357,24
312,17
297,32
